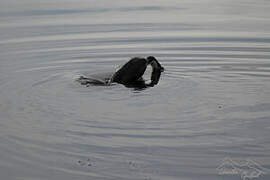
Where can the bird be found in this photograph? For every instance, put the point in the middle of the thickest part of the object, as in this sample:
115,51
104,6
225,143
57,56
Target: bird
130,74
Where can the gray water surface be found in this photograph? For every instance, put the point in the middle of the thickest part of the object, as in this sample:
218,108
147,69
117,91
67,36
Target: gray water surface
212,102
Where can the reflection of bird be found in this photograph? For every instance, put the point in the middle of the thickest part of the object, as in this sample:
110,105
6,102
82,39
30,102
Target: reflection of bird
131,73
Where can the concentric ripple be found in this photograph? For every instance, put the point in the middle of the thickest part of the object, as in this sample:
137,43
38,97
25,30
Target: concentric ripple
212,100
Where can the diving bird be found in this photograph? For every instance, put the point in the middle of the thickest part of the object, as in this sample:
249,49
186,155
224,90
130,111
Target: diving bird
131,73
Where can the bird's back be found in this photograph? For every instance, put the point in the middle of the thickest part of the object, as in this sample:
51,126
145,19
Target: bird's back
132,71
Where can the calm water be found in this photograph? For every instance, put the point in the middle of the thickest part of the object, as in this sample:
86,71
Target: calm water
212,101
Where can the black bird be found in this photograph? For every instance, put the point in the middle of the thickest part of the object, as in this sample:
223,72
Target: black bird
131,73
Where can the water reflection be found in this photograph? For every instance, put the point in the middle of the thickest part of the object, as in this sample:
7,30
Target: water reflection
212,101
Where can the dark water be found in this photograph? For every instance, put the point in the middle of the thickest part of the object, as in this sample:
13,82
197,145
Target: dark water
212,101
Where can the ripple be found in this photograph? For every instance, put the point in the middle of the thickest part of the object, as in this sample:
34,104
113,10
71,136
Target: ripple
212,97
54,12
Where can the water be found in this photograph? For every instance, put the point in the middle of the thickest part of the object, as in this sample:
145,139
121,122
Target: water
212,101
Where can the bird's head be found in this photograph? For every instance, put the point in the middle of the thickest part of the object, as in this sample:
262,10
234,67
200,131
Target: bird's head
154,63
